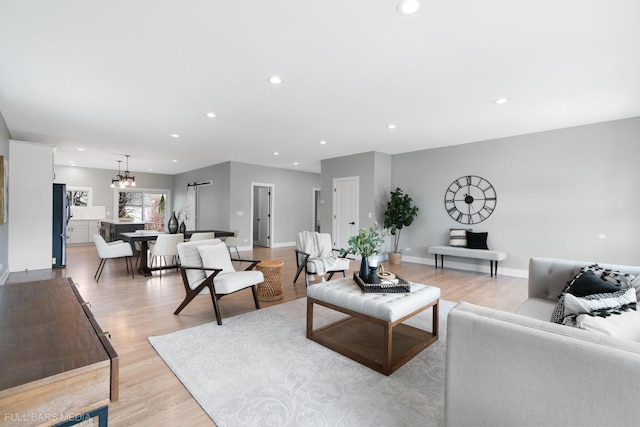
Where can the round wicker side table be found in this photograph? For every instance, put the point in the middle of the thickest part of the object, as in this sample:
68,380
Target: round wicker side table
271,288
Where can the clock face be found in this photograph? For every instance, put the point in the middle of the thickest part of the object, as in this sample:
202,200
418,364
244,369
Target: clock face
470,199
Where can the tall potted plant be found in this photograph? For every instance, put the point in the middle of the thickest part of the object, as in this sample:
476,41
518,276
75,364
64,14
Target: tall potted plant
400,213
366,243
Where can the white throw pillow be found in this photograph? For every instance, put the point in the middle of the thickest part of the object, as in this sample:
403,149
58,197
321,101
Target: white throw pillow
216,256
625,325
458,237
577,305
635,283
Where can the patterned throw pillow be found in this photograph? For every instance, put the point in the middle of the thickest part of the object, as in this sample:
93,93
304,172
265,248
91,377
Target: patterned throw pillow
595,291
458,237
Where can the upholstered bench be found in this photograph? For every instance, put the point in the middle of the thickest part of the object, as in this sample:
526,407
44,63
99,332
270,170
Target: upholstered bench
359,336
486,254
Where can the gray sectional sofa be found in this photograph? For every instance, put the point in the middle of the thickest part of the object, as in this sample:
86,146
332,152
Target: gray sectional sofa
519,369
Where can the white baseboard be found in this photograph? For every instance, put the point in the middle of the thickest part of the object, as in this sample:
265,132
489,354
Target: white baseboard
283,244
480,267
4,276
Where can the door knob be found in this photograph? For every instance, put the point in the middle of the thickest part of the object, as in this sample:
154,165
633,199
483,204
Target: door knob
352,223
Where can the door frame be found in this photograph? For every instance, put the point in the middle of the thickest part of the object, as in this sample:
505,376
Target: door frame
315,207
272,190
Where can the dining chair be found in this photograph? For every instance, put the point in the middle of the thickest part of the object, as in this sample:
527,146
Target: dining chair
202,236
232,241
116,249
206,267
315,255
164,246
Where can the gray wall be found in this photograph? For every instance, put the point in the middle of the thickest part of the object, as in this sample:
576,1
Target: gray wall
558,191
231,194
213,200
292,199
100,181
4,228
374,172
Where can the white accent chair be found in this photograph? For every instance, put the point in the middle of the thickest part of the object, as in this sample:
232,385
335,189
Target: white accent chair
315,255
117,249
164,246
202,236
206,267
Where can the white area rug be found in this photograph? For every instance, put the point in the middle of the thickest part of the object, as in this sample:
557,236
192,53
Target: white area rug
259,369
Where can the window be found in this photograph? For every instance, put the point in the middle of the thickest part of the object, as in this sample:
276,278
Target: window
143,206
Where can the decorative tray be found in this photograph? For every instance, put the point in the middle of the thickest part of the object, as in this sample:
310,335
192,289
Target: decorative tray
395,286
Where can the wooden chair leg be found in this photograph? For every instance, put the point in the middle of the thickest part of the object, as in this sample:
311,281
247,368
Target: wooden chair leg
190,296
214,298
300,268
254,290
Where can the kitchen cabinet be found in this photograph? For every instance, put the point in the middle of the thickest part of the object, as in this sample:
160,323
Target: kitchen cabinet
80,232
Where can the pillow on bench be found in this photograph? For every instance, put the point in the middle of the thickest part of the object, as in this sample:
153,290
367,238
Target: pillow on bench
458,237
477,240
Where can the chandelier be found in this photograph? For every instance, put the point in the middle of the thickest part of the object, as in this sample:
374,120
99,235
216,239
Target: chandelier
123,180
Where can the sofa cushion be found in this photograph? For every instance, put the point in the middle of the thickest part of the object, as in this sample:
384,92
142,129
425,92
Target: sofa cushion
477,240
625,325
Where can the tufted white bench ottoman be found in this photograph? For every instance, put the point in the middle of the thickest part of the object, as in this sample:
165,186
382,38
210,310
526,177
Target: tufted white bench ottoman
374,334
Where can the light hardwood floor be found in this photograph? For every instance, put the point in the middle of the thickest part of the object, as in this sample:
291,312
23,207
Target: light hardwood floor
134,309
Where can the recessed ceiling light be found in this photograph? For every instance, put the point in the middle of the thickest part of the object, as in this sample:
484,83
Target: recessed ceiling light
500,100
80,149
408,7
150,170
174,161
295,163
71,162
275,80
276,153
323,142
391,126
175,135
211,115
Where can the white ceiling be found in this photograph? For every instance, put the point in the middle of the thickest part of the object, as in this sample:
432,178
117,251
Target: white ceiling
119,77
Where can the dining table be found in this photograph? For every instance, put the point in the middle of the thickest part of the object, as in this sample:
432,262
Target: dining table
146,236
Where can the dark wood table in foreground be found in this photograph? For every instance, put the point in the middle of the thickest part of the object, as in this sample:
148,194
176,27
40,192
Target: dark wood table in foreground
56,364
148,235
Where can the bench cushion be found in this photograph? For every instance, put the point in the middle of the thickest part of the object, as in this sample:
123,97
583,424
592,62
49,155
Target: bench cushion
487,254
347,294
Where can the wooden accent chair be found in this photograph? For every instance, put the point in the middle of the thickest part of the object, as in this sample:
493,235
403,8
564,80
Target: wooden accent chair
315,255
206,267
117,249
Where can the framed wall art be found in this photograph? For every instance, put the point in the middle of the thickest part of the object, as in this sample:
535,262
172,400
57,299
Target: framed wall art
80,196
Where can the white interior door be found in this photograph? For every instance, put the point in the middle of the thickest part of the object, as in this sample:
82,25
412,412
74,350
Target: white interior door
263,218
345,210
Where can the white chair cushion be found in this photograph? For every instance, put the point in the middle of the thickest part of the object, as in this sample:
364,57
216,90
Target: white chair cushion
226,283
216,256
190,257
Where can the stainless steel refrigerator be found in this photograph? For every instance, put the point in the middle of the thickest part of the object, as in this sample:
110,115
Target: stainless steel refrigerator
61,216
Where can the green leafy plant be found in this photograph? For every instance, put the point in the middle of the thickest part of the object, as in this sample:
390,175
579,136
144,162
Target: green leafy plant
366,243
400,213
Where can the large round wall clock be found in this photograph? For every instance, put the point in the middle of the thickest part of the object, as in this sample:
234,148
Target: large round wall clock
470,199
